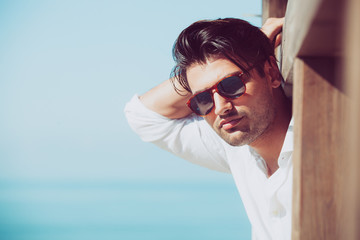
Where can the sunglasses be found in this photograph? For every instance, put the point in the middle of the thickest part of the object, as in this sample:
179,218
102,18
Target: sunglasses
230,87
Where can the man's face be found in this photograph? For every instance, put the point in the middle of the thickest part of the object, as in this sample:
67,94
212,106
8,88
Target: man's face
238,121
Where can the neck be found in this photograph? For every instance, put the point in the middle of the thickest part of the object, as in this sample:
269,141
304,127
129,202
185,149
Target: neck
269,145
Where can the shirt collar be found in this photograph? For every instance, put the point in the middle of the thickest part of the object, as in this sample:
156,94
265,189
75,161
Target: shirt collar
285,153
288,145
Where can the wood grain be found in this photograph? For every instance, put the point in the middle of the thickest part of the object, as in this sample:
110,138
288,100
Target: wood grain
319,111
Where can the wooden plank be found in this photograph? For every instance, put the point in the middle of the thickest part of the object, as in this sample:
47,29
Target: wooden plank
327,130
273,8
298,18
318,126
312,28
350,208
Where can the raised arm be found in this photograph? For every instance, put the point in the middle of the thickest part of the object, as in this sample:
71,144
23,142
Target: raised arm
164,100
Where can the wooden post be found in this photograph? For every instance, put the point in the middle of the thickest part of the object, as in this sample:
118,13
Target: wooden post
322,61
319,114
273,8
350,195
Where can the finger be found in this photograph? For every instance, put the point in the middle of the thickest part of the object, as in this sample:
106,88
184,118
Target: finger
272,27
278,40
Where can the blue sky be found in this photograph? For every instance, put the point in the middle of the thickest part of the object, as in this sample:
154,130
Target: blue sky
67,68
70,167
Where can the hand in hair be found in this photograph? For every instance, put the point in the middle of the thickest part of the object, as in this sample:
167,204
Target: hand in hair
272,29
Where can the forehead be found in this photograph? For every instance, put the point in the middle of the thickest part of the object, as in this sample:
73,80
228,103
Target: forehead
203,76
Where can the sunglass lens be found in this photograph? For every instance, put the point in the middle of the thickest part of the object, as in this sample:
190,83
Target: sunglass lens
202,103
231,87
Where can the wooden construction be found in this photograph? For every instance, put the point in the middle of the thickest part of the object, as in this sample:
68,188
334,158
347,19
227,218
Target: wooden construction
273,8
321,60
351,76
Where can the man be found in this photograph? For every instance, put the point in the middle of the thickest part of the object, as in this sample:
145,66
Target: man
225,109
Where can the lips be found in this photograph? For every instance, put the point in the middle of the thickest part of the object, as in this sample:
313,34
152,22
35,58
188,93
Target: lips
227,124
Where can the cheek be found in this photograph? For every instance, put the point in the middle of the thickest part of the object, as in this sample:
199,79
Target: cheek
255,94
210,118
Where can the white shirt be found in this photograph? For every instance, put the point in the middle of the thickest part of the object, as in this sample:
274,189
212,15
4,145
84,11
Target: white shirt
267,201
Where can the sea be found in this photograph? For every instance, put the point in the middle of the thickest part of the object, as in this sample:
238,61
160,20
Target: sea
116,210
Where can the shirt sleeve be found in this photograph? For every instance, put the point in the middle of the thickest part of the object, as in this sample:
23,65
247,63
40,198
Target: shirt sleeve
190,138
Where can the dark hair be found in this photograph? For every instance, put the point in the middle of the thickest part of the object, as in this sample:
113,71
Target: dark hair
236,40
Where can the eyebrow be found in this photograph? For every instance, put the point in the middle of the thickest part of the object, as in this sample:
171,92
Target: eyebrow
225,76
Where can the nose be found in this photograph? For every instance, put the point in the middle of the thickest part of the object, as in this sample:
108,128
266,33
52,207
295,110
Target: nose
222,105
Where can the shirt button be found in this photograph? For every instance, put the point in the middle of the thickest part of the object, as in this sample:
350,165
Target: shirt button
278,213
275,213
283,160
277,210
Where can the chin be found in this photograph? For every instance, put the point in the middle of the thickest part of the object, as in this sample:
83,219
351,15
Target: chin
237,138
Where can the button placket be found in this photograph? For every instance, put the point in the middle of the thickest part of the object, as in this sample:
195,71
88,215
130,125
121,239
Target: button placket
277,210
284,159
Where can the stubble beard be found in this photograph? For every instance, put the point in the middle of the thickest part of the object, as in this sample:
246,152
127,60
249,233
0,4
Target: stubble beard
252,126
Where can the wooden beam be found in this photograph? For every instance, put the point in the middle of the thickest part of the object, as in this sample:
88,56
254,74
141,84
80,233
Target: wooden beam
273,8
319,114
326,115
350,208
312,28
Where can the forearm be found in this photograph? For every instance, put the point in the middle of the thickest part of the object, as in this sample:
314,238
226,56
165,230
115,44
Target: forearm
164,100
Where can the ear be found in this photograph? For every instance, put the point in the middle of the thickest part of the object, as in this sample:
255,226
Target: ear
272,72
